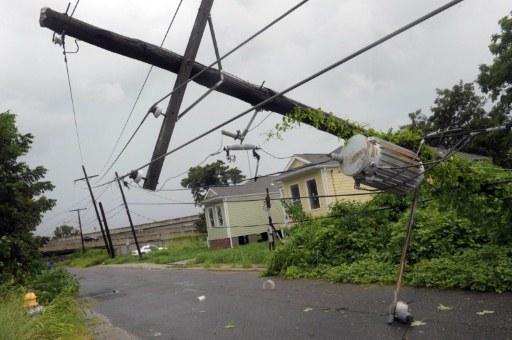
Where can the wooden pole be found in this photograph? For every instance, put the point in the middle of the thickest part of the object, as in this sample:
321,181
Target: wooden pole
80,225
129,216
171,114
112,252
96,210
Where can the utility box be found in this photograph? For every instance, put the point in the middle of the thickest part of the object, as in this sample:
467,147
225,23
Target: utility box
380,164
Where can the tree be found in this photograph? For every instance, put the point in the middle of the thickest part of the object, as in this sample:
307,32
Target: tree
496,78
200,178
201,223
64,231
22,203
458,107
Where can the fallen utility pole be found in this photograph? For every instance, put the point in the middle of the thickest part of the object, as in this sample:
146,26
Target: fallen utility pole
171,61
167,60
80,225
128,213
180,85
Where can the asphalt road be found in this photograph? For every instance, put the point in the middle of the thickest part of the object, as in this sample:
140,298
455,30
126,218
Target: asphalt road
198,304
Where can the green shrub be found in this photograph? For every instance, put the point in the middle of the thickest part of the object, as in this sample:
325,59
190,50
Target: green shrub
63,318
486,268
49,284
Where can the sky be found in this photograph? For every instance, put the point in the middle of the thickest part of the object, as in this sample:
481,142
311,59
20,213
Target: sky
378,88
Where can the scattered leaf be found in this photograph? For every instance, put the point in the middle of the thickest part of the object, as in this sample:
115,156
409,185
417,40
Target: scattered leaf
231,324
418,323
485,312
443,307
308,309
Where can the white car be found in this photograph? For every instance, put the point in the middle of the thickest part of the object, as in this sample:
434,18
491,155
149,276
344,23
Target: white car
146,249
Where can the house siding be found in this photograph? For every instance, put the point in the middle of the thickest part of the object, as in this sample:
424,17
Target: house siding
244,214
339,184
329,181
239,216
301,181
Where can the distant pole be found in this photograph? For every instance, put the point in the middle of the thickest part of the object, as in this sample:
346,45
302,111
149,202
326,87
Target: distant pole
80,225
112,252
128,213
96,210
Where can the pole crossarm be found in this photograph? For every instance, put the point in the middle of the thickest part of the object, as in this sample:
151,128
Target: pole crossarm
170,61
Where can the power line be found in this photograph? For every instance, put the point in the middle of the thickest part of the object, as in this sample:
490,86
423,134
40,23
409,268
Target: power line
205,69
313,76
234,49
135,104
262,199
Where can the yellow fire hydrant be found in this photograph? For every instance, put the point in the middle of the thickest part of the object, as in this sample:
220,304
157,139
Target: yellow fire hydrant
30,299
31,304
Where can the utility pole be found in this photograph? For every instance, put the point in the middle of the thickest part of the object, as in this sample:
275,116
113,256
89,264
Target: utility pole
171,114
95,207
80,225
112,252
128,213
270,223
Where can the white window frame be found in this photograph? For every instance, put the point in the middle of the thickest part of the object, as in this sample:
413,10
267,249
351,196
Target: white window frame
210,217
310,195
220,215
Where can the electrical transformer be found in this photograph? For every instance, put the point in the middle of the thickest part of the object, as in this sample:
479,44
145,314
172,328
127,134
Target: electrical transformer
380,164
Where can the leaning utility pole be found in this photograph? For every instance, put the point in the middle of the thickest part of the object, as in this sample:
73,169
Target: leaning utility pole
95,208
111,245
80,225
171,114
128,213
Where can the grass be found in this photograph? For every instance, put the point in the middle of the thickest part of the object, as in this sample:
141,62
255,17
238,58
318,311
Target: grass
63,318
183,248
246,256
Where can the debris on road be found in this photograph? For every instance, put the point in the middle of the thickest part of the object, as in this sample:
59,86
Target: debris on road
418,323
443,307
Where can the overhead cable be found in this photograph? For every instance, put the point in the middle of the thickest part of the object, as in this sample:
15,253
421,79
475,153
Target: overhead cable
135,104
313,76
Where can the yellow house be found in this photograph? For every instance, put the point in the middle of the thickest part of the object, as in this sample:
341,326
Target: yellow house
236,215
317,182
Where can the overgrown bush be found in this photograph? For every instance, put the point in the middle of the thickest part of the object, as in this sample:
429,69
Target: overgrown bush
49,284
62,318
460,237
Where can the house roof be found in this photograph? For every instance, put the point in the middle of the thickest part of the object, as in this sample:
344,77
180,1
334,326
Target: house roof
442,152
311,161
313,158
250,187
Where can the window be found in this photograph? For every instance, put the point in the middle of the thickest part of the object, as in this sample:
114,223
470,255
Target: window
219,216
314,201
211,218
295,192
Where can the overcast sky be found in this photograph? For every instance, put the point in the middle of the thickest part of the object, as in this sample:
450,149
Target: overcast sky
378,88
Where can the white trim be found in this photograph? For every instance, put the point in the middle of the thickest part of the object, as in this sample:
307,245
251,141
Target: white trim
326,188
209,221
219,206
228,224
294,158
309,194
